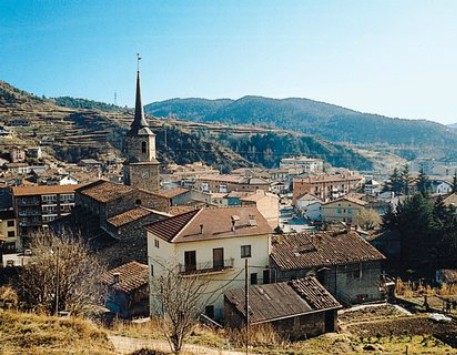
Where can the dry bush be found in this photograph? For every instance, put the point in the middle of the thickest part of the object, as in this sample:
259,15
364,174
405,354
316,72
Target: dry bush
259,335
8,296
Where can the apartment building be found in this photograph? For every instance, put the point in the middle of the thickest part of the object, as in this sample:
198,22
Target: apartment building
35,206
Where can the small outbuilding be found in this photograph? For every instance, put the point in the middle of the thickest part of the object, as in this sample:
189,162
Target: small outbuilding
128,290
297,309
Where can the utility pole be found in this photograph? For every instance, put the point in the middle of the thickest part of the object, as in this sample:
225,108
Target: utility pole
57,282
246,292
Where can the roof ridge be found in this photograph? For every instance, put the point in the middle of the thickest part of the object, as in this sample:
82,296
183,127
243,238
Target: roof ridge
185,225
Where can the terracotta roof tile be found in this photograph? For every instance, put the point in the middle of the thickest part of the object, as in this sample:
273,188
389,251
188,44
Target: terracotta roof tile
128,216
173,192
31,190
349,199
105,191
216,222
316,179
307,250
283,300
132,276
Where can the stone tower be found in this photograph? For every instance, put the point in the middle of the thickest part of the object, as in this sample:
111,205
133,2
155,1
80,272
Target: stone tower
141,169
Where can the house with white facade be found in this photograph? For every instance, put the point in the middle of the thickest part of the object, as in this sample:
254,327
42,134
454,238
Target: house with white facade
211,244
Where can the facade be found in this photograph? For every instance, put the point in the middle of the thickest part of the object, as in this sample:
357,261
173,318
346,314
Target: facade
326,187
344,209
141,168
37,205
267,203
372,187
306,165
343,262
127,290
212,244
228,183
297,309
8,228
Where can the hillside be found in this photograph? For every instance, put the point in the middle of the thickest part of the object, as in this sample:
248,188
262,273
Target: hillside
331,122
25,333
88,129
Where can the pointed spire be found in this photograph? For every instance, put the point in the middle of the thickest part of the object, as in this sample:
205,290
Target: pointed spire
139,121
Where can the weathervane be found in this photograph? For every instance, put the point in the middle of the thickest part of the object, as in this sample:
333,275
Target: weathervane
138,58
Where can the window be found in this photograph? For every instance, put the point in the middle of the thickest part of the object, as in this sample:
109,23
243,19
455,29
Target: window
156,243
143,147
11,234
349,210
10,223
266,277
223,188
254,278
152,270
245,251
356,271
338,210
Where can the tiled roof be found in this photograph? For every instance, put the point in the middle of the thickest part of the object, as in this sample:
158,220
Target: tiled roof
128,216
132,276
105,191
283,300
221,178
307,250
349,199
451,200
307,196
316,179
173,192
216,222
31,190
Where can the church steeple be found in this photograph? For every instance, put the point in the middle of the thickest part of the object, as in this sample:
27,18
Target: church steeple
139,121
141,169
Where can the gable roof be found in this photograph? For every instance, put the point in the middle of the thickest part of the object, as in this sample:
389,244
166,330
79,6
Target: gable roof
128,216
132,276
273,302
308,250
216,222
307,196
105,191
349,199
451,200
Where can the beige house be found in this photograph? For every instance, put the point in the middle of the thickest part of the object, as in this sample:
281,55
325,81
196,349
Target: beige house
8,229
228,183
212,244
327,186
342,210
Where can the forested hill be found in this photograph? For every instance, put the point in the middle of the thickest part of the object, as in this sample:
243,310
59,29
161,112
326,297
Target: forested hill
329,121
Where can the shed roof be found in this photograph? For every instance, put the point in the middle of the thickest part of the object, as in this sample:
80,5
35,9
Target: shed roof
307,250
31,190
173,192
132,276
283,300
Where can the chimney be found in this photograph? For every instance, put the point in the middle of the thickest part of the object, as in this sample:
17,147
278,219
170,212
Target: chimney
233,225
252,221
201,228
234,219
116,277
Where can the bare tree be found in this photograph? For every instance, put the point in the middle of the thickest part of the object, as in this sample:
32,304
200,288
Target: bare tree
62,275
181,298
368,218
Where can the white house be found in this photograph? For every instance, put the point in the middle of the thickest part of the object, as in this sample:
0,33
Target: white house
212,244
441,187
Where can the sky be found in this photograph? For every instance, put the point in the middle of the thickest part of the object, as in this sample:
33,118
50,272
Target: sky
395,58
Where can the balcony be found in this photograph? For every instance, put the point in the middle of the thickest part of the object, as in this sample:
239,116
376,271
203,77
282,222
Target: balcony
206,268
31,202
29,213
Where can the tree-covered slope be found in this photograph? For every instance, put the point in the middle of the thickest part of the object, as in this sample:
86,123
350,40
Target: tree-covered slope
329,121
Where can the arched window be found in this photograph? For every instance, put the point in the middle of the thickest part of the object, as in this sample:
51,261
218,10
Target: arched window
143,147
138,202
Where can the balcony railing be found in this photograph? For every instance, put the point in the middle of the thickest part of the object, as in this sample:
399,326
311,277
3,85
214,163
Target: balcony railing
29,213
205,268
29,202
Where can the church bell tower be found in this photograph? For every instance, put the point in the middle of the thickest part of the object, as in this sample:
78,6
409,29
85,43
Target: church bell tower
141,168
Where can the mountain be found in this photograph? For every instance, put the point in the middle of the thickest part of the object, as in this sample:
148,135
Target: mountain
74,129
331,122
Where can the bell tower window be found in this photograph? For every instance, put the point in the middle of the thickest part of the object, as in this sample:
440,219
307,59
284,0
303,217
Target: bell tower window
143,147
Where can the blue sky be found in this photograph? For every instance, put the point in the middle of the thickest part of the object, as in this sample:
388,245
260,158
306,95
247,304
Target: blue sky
397,58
